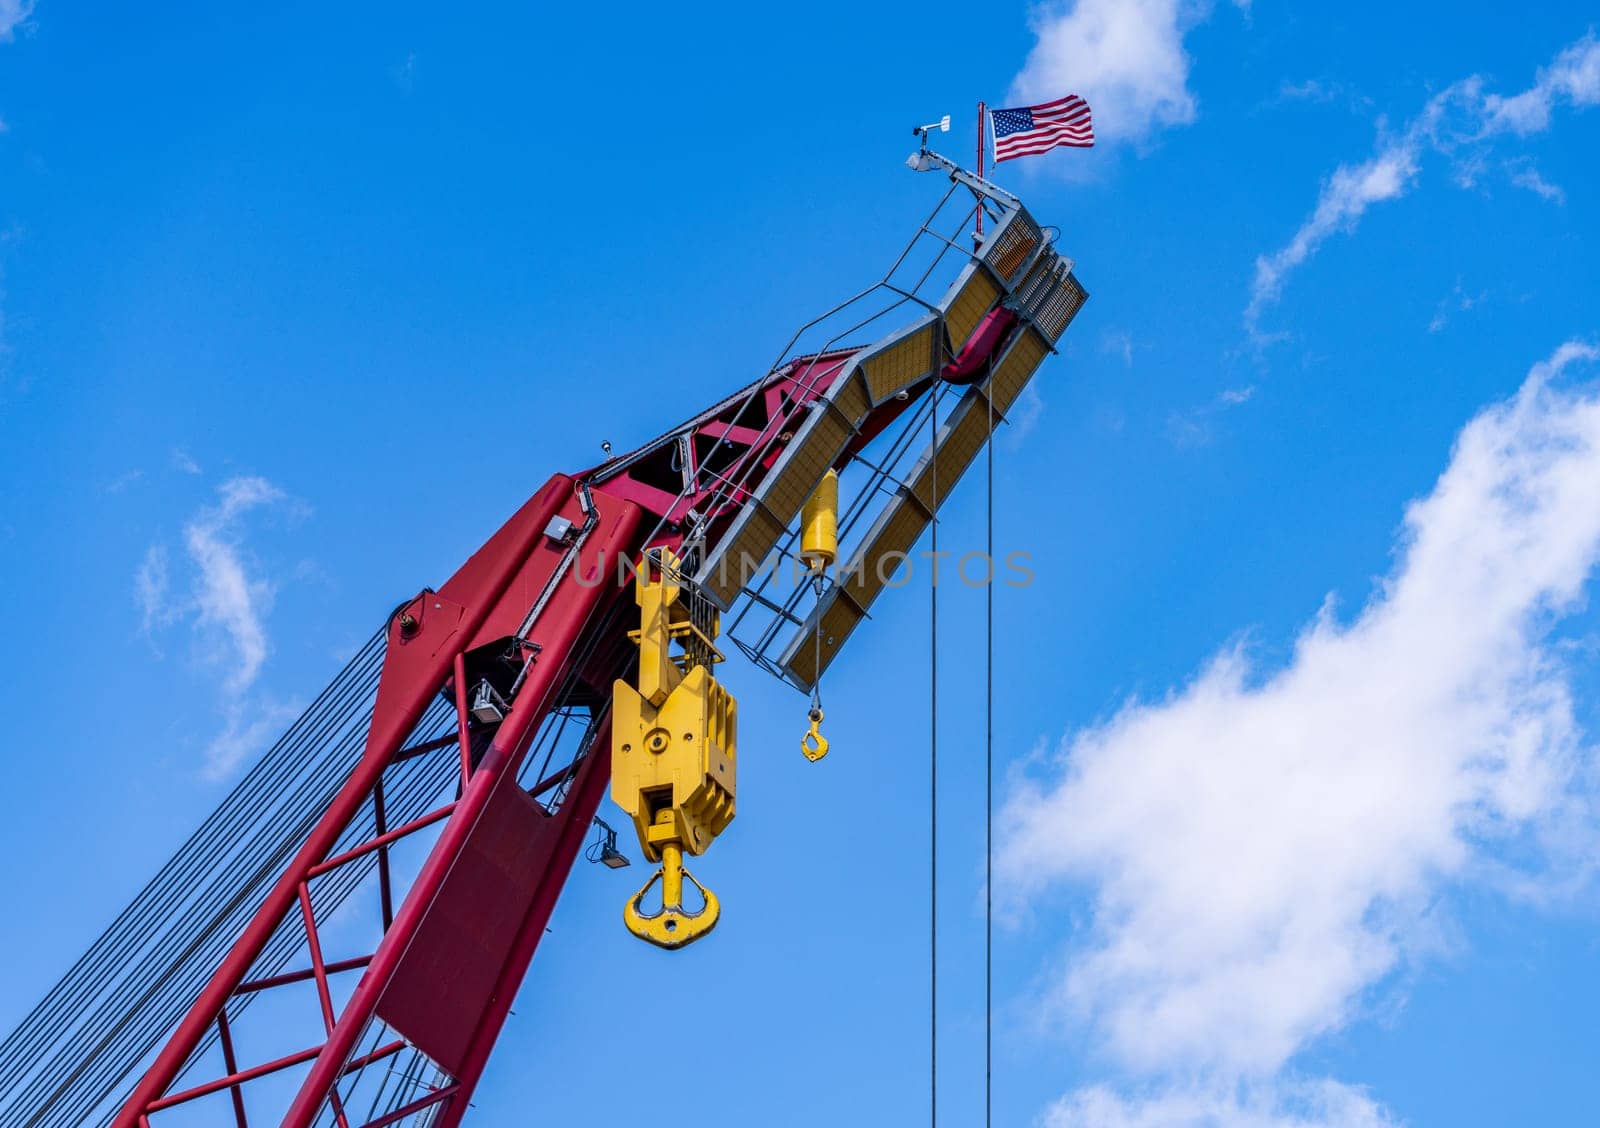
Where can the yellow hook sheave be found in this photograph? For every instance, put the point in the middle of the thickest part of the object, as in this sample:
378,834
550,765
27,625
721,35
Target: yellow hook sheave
673,751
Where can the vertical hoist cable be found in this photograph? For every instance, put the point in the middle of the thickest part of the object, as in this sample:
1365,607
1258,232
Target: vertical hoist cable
988,783
933,772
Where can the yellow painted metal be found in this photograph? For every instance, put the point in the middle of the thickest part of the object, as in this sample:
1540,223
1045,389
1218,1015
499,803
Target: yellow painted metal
673,754
880,555
895,367
672,927
819,524
813,743
977,297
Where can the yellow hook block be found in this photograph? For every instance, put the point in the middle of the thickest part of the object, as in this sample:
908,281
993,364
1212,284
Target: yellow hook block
813,744
672,926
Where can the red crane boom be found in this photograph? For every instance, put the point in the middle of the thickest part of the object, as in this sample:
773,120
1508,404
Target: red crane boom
465,745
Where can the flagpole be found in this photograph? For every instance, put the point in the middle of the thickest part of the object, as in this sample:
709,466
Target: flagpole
977,235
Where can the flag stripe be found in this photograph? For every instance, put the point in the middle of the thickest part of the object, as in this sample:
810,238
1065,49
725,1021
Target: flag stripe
1045,140
1051,131
1025,131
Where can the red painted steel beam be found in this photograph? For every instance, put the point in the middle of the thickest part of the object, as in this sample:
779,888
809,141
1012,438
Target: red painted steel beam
300,976
416,1106
559,630
385,839
232,1079
231,1063
309,919
485,602
488,574
579,810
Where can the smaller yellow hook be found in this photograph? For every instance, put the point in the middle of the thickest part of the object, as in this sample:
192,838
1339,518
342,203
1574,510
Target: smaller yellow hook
813,743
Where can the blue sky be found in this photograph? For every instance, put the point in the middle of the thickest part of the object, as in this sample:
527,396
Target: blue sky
1294,726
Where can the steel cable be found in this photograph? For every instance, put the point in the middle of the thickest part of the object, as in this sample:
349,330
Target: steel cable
172,970
184,953
288,938
153,901
933,766
159,906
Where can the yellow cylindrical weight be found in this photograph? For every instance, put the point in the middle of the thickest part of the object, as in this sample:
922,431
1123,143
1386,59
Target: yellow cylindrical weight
819,524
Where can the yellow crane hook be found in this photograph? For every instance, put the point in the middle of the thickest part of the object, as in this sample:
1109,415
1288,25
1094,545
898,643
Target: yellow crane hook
671,926
819,547
813,744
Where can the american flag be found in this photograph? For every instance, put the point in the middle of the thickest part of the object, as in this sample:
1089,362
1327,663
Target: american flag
1026,130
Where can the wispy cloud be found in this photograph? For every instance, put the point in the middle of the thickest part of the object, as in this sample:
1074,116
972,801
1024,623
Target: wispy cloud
227,599
13,14
225,602
151,586
1290,1104
1023,417
1460,122
404,72
1118,343
1572,79
183,463
1322,92
1265,847
248,727
1311,90
1196,426
1348,193
1525,175
122,482
1457,301
1127,57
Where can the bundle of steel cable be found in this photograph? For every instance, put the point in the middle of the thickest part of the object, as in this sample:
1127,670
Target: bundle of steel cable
76,1050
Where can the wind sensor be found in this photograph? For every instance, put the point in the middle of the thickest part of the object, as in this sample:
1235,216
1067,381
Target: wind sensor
918,161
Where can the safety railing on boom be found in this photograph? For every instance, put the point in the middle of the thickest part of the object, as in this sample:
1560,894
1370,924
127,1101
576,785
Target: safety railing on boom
950,286
895,389
820,337
932,275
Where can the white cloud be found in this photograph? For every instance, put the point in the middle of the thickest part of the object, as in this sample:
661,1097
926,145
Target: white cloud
1524,175
122,482
1195,426
247,729
150,586
1460,122
1126,57
1350,191
13,14
225,603
1023,417
1573,77
226,597
1311,90
183,463
1457,301
1118,343
1287,1105
1264,847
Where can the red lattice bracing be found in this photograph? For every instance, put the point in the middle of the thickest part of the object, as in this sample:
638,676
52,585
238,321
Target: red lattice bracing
541,613
341,941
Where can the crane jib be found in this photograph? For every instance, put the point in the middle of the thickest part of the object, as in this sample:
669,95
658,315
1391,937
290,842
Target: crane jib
471,741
